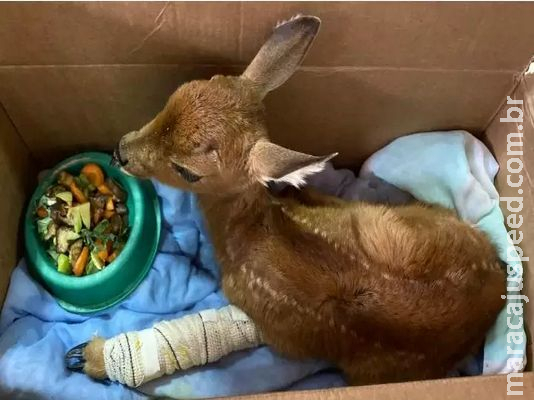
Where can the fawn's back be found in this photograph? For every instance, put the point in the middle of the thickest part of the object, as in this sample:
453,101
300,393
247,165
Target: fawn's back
386,293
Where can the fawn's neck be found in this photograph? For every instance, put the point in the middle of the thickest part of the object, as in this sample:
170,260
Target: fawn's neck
230,218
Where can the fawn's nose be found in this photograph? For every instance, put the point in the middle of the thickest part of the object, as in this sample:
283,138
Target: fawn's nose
118,158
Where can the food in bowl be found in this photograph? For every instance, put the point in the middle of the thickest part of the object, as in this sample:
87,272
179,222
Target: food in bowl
83,221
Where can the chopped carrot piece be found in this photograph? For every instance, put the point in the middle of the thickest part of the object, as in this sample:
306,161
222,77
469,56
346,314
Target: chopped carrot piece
65,179
113,256
81,262
108,214
41,212
77,193
103,255
94,174
104,189
103,251
109,204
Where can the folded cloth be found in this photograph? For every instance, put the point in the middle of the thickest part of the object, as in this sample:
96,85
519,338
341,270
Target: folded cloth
456,170
452,169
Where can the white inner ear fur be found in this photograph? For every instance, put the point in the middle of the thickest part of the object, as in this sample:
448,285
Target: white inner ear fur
297,178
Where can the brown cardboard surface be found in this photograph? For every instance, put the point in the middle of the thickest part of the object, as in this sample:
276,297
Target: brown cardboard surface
59,110
437,35
119,32
487,35
15,176
479,388
496,136
357,112
359,87
62,109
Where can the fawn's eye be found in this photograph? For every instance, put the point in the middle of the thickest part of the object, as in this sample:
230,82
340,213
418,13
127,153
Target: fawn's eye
186,174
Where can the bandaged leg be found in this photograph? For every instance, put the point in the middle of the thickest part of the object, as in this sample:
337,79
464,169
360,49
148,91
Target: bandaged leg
135,358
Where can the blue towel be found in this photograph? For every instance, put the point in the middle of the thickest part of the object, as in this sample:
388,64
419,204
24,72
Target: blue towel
452,169
35,332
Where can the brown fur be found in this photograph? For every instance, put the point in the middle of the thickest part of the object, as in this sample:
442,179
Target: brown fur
385,293
94,355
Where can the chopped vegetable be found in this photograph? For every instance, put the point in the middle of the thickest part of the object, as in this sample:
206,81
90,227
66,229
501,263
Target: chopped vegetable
63,264
97,261
103,254
121,209
53,253
94,174
113,256
104,189
41,212
83,183
99,201
42,225
66,197
46,201
63,237
116,224
51,231
81,262
90,268
65,179
77,193
108,214
117,190
85,213
54,190
59,213
109,204
83,220
75,250
97,215
75,218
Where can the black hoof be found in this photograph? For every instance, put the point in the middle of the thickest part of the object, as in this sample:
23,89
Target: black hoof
74,359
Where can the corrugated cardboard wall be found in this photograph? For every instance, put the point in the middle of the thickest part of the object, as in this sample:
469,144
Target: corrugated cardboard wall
472,388
15,177
79,75
497,137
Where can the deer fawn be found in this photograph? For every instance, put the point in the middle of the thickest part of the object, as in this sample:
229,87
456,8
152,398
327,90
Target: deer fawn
386,293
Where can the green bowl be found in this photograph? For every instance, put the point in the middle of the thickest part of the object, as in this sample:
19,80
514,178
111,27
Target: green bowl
104,289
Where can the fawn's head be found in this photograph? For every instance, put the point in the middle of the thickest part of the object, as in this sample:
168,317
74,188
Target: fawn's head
211,136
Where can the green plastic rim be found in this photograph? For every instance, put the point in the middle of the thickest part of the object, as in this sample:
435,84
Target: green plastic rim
104,289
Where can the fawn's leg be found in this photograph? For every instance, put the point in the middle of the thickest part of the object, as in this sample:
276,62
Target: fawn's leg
135,358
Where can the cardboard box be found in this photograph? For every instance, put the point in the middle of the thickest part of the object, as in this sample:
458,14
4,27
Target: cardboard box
77,76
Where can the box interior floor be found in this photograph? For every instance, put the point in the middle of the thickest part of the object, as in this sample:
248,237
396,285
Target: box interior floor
77,76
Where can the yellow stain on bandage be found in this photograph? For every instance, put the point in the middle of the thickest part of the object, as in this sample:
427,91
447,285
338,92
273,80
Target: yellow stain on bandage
170,359
184,353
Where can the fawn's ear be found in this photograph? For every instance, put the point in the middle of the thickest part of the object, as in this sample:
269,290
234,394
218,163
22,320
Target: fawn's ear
272,163
282,53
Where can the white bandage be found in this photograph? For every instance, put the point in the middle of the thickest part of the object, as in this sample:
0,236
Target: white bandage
135,358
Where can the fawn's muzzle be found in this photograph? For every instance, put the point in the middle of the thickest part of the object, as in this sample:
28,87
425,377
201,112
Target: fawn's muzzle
117,160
